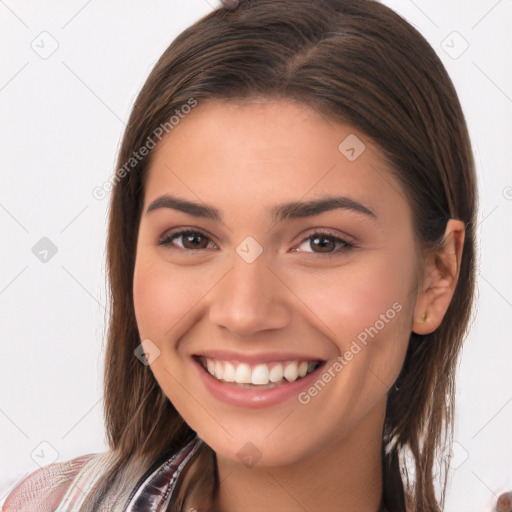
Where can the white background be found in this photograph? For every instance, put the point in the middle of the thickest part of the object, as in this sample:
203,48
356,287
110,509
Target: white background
62,118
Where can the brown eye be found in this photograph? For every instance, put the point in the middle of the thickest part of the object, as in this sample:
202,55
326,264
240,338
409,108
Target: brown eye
325,244
190,240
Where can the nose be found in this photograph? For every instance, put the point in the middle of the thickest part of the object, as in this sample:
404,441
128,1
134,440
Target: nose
250,298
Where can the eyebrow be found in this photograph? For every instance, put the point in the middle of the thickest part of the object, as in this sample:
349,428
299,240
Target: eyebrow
279,213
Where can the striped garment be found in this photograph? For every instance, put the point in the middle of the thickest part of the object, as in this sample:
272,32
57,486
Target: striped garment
63,486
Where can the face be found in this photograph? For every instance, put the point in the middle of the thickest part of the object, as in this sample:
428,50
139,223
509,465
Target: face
240,287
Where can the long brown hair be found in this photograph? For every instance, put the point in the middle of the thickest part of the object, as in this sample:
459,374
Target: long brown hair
353,61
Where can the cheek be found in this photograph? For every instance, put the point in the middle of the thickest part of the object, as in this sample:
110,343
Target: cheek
352,298
366,310
161,298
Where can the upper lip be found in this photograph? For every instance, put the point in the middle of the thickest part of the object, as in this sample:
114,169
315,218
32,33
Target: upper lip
229,355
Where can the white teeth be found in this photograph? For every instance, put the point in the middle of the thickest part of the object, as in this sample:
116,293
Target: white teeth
219,370
291,372
210,365
277,373
242,374
229,372
260,374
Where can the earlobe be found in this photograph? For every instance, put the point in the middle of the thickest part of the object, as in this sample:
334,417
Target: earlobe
423,323
441,274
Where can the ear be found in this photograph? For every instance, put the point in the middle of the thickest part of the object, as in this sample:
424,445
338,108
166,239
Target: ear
441,273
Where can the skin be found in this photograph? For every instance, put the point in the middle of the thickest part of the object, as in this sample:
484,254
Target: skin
244,158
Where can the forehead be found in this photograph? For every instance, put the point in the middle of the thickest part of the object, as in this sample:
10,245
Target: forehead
250,155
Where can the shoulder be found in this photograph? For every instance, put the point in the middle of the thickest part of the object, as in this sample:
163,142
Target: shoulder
42,490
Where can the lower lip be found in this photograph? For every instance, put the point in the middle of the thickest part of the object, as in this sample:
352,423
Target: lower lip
230,393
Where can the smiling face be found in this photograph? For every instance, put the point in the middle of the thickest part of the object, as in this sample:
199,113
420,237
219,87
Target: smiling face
257,288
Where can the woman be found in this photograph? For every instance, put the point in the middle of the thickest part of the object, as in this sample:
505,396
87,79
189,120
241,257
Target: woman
291,259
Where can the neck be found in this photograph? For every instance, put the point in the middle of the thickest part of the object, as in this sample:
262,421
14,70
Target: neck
344,476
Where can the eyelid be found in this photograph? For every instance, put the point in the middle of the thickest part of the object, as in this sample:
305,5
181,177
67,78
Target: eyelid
344,237
166,240
345,240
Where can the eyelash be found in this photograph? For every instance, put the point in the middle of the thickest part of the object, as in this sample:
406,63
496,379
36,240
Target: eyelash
166,241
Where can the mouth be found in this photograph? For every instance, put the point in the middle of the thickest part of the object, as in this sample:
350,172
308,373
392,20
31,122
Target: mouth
259,375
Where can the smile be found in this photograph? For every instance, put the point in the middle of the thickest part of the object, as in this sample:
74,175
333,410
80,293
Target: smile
260,375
